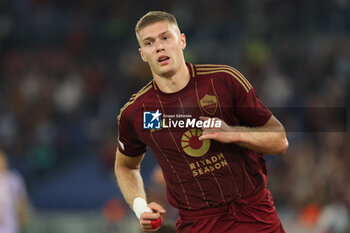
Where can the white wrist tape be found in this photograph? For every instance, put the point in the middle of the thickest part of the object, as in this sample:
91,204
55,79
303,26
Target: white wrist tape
139,206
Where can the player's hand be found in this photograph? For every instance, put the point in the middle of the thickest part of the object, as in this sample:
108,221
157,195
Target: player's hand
223,134
152,221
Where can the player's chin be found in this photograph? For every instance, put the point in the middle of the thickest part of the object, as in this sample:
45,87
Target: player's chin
167,72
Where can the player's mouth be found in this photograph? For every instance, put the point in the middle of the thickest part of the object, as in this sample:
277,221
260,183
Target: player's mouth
163,60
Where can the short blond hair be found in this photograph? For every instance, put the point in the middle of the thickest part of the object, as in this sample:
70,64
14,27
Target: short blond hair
154,17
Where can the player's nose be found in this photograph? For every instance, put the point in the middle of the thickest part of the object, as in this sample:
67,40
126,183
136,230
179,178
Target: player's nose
159,46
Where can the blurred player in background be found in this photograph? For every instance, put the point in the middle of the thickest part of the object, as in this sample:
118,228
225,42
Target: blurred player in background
215,173
13,199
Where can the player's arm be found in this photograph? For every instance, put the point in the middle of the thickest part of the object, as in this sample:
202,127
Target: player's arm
267,139
127,171
23,211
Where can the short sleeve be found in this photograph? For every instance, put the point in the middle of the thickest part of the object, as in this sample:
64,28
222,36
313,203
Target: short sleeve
128,141
248,108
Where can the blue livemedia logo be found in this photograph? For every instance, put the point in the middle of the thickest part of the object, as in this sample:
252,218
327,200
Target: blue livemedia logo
151,120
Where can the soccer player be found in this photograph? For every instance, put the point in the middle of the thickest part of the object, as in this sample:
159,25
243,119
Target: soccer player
13,199
208,131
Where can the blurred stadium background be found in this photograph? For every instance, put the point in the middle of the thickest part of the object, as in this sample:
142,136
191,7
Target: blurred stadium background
67,67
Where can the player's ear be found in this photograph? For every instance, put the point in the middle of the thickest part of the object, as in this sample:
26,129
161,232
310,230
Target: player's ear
183,40
142,56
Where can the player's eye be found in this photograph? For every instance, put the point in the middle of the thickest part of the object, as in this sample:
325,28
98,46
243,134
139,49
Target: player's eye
148,43
165,38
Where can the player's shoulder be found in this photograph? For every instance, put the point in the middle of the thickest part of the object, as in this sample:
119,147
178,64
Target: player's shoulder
15,177
216,70
225,73
211,67
135,100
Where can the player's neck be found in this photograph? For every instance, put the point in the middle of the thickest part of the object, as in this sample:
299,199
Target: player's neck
175,82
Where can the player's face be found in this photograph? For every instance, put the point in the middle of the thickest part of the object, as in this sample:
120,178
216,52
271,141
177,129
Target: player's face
162,47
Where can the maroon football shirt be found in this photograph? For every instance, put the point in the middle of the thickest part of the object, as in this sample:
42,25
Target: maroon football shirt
198,174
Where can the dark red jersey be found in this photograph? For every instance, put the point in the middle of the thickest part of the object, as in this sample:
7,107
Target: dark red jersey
198,174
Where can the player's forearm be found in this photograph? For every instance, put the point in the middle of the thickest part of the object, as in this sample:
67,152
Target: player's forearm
130,183
265,140
23,211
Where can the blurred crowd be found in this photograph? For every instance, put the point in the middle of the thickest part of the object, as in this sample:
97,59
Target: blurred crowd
67,67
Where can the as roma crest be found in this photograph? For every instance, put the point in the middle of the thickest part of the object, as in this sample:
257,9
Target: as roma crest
209,104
